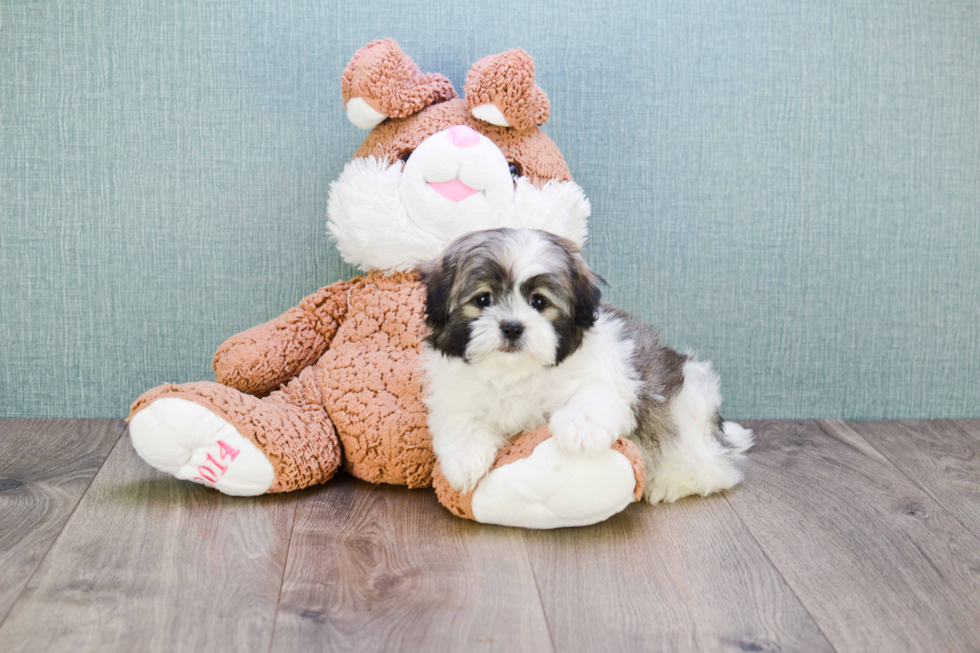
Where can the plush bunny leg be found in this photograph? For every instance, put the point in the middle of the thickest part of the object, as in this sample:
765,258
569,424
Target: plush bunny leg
237,443
536,484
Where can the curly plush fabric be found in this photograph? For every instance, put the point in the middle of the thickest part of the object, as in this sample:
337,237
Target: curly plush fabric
373,383
260,359
506,80
536,155
632,452
390,82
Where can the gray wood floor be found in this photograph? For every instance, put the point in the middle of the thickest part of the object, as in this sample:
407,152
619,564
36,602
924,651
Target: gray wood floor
858,536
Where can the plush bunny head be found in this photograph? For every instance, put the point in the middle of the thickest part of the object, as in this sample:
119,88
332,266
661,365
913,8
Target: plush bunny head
436,166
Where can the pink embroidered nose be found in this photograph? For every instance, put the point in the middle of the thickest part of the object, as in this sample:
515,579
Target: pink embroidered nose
463,136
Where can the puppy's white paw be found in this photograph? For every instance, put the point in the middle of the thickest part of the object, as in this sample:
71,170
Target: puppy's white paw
576,432
467,465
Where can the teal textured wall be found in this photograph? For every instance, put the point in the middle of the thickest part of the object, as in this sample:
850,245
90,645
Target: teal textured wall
791,189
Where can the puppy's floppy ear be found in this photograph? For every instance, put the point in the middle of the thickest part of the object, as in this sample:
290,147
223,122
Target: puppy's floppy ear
585,285
438,278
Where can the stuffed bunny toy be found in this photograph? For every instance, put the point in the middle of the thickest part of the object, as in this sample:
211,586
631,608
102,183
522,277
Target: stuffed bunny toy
336,381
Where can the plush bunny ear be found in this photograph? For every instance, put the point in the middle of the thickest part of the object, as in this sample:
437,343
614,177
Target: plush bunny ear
500,90
382,82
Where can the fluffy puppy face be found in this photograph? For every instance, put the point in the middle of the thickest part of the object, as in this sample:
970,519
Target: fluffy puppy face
512,299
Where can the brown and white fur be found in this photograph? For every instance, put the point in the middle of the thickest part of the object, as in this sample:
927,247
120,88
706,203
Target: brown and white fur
519,339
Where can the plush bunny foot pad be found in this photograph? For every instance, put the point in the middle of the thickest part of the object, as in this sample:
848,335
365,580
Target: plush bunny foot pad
188,441
534,483
552,488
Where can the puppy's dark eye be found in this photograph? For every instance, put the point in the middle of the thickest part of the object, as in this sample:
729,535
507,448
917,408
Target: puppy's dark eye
538,302
484,300
403,157
515,169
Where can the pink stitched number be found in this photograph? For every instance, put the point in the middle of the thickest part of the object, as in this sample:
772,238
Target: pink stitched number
204,471
209,474
227,451
223,468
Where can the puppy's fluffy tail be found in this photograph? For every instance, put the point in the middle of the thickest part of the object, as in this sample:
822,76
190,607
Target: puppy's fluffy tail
737,437
700,375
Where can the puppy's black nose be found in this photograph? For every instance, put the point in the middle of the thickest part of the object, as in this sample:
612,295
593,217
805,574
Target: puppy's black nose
512,330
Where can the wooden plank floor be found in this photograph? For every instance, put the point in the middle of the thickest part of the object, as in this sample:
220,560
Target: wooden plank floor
859,536
45,467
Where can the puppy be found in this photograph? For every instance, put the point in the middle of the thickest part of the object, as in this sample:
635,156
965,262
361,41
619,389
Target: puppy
518,339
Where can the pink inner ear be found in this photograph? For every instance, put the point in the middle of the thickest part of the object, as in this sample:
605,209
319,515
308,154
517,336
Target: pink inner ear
454,190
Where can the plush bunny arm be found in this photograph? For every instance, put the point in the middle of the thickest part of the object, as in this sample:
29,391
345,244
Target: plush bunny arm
259,360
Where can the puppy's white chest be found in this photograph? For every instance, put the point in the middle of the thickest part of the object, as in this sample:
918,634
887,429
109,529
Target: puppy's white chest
510,406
